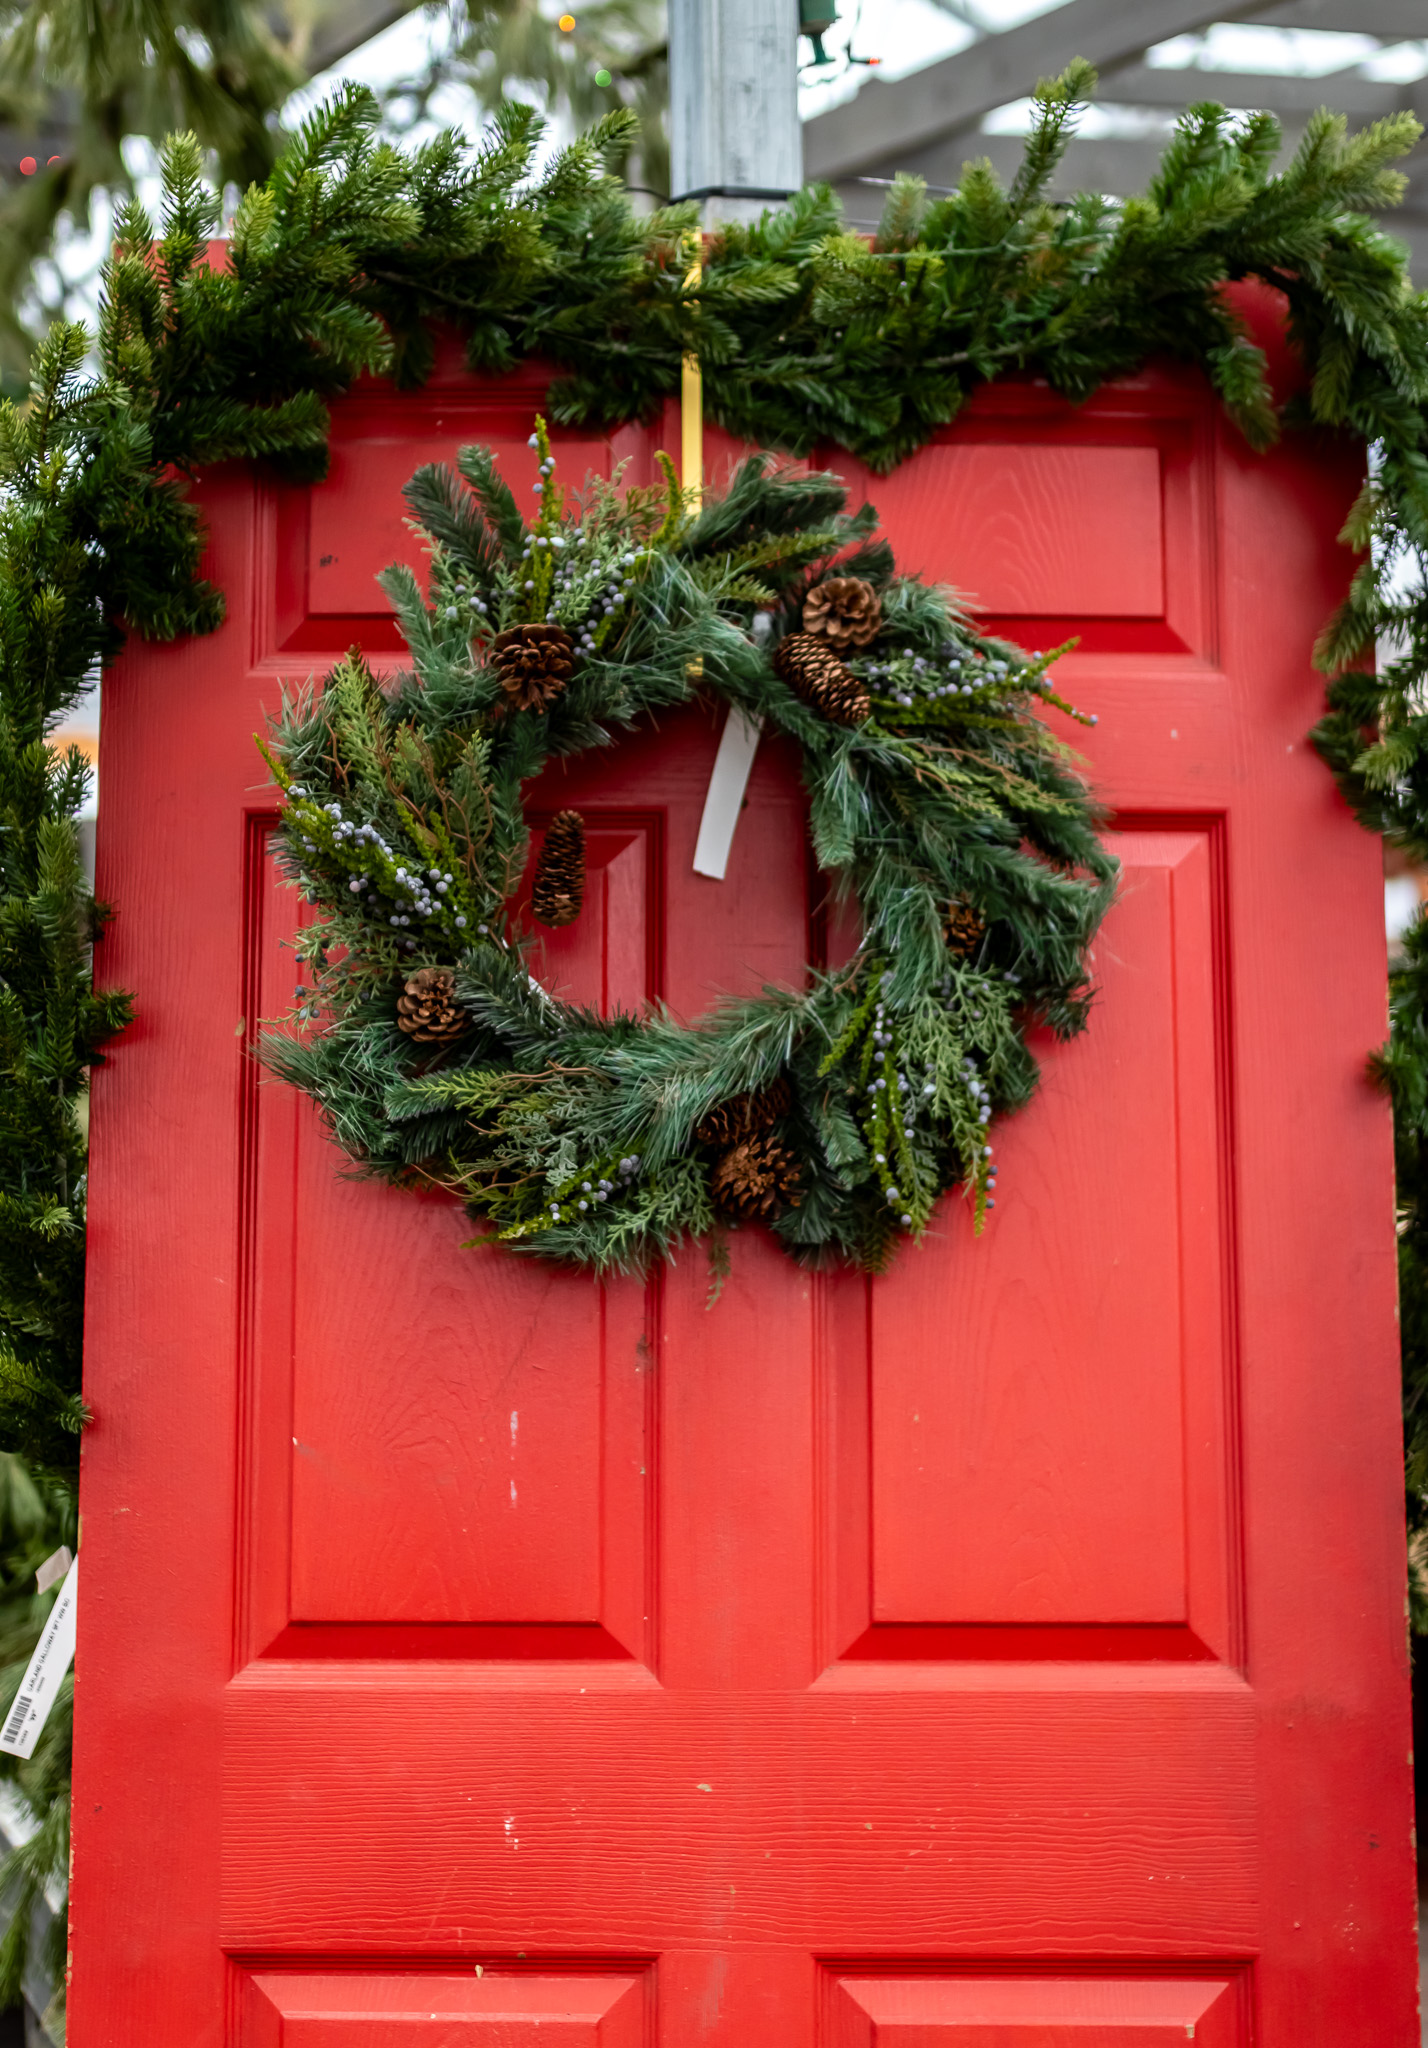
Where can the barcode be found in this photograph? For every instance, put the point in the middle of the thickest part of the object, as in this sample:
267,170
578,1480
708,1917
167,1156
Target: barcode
17,1718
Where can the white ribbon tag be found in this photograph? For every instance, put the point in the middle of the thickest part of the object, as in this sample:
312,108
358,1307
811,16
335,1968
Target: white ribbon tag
54,1653
53,1569
738,743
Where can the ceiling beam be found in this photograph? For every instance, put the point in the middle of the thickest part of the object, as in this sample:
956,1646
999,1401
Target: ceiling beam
340,29
1397,21
1097,164
1144,85
1115,164
905,114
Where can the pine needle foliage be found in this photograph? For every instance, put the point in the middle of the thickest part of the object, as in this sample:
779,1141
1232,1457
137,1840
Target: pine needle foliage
51,1021
37,1515
575,1135
1402,1068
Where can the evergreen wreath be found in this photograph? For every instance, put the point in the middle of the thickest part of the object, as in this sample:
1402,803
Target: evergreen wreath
837,1113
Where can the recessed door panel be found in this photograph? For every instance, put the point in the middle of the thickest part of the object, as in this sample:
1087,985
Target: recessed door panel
324,545
1030,530
1035,2012
371,470
1030,1391
482,1465
1027,1433
442,2009
1102,531
611,957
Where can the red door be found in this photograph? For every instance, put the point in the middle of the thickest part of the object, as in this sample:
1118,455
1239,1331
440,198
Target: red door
1006,1652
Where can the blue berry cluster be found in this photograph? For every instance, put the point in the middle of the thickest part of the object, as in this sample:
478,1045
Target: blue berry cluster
961,675
412,903
584,1195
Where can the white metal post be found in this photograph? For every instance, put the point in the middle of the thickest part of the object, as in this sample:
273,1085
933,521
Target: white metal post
733,102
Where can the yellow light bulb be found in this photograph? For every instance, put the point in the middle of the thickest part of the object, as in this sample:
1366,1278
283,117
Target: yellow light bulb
567,22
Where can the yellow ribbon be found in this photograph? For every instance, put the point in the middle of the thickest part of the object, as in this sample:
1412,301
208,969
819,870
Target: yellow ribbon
691,415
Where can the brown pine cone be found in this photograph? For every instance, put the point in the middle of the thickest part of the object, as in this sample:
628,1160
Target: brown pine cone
964,930
534,664
427,1009
741,1115
559,886
814,672
756,1178
843,610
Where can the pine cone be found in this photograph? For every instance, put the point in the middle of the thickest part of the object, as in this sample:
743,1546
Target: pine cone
741,1115
964,930
559,886
756,1178
814,672
427,1009
843,610
534,663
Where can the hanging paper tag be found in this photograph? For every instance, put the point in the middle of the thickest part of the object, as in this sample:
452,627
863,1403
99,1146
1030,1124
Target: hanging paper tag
54,1653
738,744
53,1569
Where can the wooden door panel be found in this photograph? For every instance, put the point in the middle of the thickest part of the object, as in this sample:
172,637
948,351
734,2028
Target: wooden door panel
1043,1400
1092,515
612,956
318,563
436,2009
442,1481
1036,2012
435,1495
434,1492
1050,1811
711,939
1103,530
372,467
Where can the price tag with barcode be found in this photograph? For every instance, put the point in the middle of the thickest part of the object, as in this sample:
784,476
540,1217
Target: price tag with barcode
54,1653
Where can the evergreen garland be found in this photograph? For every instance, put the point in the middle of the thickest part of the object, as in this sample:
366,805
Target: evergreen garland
934,793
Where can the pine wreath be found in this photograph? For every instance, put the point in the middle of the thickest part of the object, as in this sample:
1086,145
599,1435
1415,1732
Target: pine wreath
836,1114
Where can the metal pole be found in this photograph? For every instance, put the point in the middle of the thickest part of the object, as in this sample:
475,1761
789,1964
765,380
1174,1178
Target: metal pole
733,103
733,119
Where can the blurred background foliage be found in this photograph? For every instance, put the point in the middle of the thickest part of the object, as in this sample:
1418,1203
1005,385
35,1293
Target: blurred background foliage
87,92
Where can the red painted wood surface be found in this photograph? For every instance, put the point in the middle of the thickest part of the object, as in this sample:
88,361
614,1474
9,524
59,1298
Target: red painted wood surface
1006,1652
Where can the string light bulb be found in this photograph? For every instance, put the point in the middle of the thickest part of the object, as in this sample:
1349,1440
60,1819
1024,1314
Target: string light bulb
567,23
